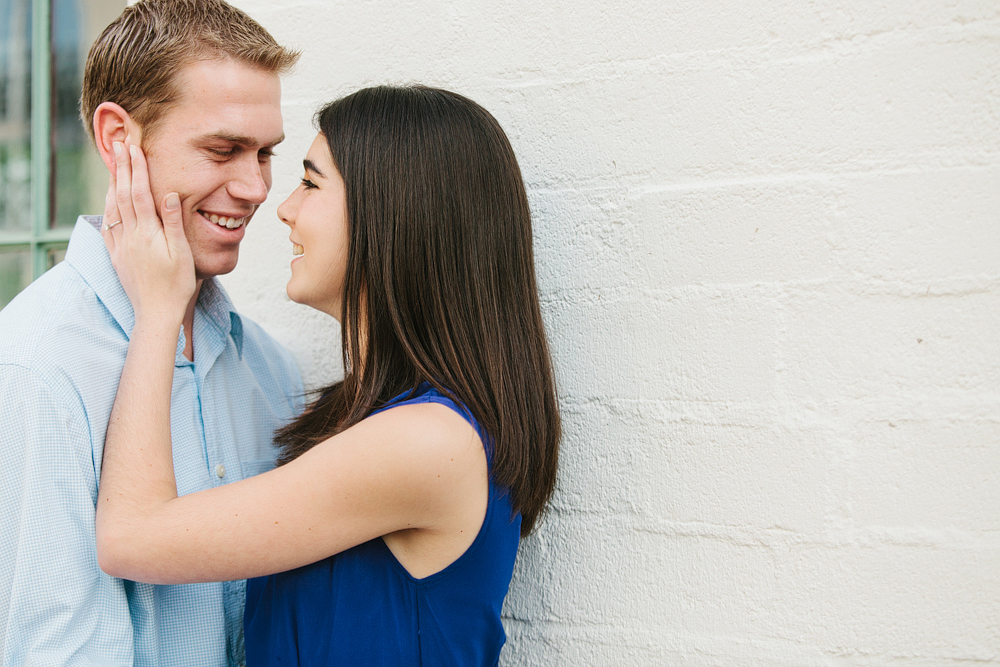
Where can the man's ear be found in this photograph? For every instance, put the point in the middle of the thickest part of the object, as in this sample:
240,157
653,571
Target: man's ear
112,123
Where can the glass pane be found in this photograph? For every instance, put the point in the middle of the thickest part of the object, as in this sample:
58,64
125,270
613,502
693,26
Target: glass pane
15,115
80,178
15,272
54,255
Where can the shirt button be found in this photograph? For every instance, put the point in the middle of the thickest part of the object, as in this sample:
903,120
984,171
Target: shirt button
220,470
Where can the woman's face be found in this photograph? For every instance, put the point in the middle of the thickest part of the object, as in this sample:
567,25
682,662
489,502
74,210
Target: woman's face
316,212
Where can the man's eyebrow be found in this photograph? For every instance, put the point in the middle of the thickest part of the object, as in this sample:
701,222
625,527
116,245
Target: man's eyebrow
311,166
240,139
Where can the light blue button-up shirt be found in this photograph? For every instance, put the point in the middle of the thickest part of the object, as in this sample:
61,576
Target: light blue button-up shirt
62,347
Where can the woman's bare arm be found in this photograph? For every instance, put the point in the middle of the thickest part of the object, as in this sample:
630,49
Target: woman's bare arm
415,467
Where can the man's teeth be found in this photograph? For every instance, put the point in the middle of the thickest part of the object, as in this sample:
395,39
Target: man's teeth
223,221
297,249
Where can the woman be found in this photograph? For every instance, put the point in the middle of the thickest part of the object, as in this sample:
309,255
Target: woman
387,534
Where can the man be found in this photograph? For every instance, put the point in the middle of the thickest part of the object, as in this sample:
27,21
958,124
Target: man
195,83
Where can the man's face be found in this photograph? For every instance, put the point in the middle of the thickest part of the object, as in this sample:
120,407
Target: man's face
213,148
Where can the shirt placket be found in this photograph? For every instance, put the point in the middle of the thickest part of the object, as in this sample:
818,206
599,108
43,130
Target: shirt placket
222,466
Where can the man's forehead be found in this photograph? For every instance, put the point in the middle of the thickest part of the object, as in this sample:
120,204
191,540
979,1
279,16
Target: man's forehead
213,74
223,101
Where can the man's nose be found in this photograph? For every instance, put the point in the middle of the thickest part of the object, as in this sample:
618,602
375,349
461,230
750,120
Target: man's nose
249,183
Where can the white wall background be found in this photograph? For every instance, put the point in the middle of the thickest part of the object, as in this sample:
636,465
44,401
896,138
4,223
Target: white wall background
768,240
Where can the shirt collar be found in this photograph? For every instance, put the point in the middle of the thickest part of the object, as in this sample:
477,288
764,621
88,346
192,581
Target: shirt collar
89,256
219,310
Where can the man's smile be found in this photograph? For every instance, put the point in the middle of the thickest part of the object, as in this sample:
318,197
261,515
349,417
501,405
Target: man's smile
227,221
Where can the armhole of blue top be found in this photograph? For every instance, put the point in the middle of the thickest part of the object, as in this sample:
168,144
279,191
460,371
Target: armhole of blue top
457,563
434,396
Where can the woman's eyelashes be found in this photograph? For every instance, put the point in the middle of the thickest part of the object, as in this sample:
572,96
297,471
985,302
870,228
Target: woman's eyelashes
309,185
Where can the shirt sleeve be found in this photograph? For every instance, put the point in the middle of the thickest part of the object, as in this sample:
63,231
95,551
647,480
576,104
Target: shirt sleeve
56,606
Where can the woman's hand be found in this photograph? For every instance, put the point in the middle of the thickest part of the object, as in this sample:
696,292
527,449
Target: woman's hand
152,258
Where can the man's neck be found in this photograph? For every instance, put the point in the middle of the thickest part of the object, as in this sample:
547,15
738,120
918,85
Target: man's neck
189,323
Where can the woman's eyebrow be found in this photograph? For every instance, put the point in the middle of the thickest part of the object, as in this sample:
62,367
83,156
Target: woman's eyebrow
311,166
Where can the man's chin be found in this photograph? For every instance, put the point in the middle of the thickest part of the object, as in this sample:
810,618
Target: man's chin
218,267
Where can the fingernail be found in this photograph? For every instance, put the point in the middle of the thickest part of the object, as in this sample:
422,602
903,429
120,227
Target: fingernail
173,202
118,148
133,150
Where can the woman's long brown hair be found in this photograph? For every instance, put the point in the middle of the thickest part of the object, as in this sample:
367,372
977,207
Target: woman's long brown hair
440,281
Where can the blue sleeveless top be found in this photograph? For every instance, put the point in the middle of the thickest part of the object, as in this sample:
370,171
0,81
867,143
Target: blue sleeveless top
361,608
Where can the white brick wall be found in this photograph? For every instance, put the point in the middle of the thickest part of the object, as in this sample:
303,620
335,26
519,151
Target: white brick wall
768,241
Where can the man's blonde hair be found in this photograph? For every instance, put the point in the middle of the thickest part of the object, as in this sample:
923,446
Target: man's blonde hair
135,61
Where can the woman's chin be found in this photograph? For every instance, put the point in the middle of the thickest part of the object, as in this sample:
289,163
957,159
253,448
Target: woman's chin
294,294
302,299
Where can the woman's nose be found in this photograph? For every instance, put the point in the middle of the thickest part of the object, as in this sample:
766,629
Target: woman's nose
286,212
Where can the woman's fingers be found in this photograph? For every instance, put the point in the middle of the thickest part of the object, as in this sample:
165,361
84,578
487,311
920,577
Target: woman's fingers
173,228
123,190
142,198
152,258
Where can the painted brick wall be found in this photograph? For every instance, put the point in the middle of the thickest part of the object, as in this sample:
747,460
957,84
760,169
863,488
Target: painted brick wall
768,240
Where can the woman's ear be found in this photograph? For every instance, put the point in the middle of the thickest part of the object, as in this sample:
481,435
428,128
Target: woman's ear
112,123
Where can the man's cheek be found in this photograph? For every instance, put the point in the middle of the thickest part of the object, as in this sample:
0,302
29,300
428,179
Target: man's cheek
191,224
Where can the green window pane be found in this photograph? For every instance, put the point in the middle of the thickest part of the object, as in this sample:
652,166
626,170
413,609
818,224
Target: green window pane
49,170
15,115
79,177
15,272
54,255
